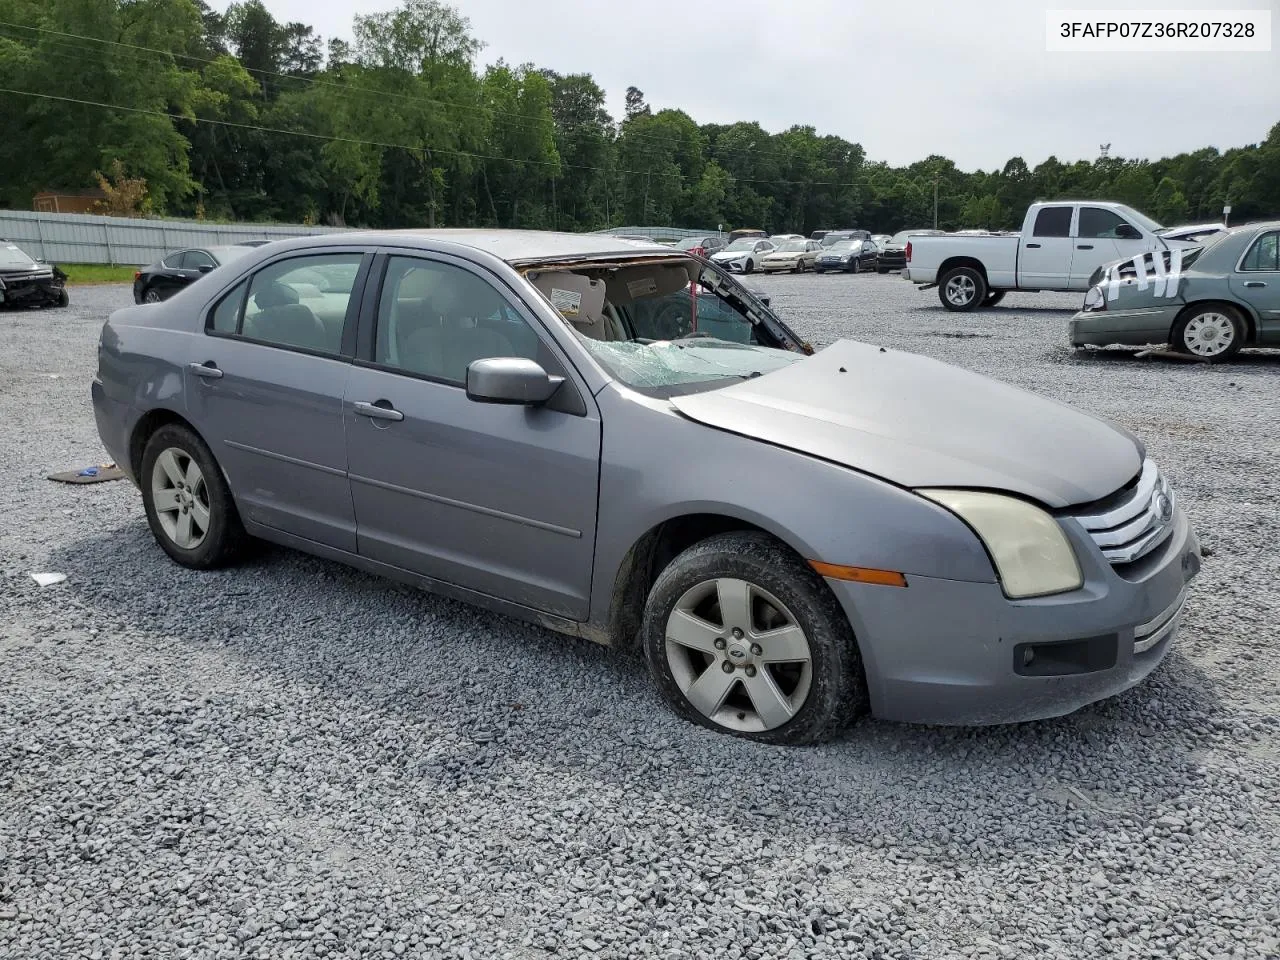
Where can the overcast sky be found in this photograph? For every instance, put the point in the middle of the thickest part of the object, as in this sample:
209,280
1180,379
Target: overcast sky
969,79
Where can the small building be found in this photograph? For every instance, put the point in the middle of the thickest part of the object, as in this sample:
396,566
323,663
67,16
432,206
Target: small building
68,201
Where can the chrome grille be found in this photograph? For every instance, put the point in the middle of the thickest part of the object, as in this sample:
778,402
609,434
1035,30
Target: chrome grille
1138,523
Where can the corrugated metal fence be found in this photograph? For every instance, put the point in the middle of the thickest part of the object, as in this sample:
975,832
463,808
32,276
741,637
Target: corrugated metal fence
81,238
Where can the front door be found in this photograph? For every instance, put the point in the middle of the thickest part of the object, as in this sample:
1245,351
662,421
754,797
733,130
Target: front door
494,498
1044,257
264,387
1257,283
1103,236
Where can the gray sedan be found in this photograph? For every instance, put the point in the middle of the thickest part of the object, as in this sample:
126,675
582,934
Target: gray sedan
619,442
1208,301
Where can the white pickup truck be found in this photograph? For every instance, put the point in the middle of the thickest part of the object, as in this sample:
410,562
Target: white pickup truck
1059,248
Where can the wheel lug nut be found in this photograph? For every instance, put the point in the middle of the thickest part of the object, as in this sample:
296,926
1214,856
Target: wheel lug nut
727,667
756,649
720,644
737,634
751,671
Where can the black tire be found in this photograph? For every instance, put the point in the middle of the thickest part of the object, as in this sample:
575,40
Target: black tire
837,688
857,266
750,267
64,299
1178,338
799,266
976,287
225,539
994,297
880,269
151,295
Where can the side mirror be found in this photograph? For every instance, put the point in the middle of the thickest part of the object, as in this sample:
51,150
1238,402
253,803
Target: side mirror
205,267
1128,232
510,380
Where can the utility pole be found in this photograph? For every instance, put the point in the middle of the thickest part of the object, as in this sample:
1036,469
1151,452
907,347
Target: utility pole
935,199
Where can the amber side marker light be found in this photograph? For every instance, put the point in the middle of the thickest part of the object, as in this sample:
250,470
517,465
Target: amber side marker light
886,578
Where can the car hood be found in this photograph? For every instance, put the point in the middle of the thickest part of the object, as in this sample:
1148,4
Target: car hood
917,422
782,254
730,254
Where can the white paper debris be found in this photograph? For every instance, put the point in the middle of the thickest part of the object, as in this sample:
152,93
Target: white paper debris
48,579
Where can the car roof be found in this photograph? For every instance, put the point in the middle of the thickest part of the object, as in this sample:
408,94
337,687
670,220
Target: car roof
513,246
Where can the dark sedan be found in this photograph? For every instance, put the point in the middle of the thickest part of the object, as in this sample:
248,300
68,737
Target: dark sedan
27,282
849,256
163,279
701,246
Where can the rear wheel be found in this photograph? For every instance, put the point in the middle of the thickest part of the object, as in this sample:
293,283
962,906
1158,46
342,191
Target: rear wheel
994,297
151,295
961,289
743,637
1213,332
189,506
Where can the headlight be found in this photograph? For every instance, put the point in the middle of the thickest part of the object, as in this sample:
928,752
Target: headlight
1031,553
1095,299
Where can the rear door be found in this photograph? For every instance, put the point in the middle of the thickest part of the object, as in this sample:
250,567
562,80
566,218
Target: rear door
1256,281
1103,236
264,386
1044,261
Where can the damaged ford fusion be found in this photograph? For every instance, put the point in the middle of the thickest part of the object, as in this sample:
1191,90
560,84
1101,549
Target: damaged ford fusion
621,443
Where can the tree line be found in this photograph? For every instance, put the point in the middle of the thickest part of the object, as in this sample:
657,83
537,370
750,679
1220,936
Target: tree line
237,116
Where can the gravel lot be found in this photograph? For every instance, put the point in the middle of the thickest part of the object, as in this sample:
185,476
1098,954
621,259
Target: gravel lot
292,759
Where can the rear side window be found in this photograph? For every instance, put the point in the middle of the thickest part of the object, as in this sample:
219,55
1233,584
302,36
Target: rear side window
302,302
1264,254
1053,222
226,315
173,261
195,259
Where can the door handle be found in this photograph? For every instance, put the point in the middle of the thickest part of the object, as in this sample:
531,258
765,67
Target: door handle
208,370
1255,283
382,410
1033,246
1084,246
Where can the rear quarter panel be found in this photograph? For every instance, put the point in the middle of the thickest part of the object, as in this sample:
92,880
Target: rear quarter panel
998,256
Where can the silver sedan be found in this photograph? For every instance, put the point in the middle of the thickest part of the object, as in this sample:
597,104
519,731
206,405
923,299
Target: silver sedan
620,442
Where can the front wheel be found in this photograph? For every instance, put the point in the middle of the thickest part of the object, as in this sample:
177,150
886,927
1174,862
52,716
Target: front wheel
188,504
961,289
1212,333
750,267
64,298
743,637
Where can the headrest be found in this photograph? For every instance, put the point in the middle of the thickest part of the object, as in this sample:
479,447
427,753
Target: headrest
579,299
275,294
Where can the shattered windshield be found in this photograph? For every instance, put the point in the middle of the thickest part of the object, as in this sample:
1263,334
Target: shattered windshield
673,364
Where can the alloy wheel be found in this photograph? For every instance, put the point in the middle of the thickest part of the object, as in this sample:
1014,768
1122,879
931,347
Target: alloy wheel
181,498
151,296
961,290
738,655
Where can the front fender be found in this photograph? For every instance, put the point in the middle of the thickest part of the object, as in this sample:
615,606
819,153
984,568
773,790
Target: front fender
657,465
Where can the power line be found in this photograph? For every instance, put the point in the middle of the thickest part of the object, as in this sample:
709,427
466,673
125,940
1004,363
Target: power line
378,143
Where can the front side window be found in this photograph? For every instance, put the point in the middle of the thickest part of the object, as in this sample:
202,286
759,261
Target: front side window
195,259
434,319
1264,254
1053,222
1099,224
302,302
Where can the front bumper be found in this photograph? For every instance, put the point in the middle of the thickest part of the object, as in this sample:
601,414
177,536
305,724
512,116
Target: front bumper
1132,327
30,291
733,266
768,266
952,652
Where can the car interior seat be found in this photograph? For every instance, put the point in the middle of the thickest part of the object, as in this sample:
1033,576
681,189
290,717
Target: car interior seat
447,349
282,319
